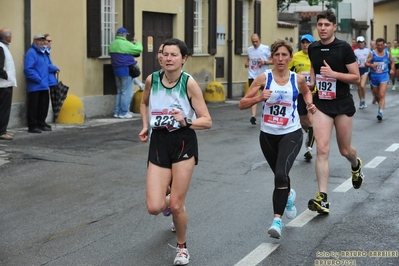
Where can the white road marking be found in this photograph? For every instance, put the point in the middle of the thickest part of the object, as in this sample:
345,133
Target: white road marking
393,147
302,219
258,254
375,162
348,183
232,101
344,186
265,249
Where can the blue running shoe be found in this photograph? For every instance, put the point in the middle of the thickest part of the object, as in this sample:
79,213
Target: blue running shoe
275,230
379,116
290,209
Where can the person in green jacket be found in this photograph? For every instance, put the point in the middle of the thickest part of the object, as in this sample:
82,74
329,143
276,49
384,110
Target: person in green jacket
122,54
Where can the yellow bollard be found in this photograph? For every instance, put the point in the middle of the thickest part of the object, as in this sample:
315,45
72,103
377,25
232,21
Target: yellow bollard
246,87
136,101
215,92
72,111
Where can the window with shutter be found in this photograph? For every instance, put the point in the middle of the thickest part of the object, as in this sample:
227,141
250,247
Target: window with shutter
241,26
108,24
194,26
189,26
238,13
245,25
100,27
257,22
128,16
198,26
212,27
93,28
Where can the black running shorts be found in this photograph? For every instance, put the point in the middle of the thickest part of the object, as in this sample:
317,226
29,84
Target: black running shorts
302,105
167,147
340,106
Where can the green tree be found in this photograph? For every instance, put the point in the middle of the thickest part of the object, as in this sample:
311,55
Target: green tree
285,4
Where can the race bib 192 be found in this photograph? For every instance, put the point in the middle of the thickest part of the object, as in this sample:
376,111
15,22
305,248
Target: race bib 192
326,87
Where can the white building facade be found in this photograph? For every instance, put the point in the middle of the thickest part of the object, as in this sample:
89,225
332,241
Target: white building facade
354,17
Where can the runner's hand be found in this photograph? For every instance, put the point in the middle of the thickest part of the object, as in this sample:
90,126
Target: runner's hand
326,70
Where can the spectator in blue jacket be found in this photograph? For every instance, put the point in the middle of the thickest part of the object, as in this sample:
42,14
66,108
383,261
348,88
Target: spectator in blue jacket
122,54
37,84
52,69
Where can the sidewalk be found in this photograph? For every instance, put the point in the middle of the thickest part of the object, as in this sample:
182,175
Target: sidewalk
93,122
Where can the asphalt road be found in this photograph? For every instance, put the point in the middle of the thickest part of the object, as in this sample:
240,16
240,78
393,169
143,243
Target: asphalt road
76,196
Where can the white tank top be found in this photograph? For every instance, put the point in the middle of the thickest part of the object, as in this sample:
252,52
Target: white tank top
163,100
280,114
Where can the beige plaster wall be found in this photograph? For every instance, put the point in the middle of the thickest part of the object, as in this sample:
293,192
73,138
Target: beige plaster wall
386,14
66,22
67,26
10,18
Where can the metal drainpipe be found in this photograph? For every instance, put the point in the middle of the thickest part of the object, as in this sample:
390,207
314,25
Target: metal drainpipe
229,51
27,24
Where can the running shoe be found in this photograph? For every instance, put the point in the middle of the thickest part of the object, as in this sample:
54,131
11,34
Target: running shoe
362,105
182,257
358,176
307,139
308,154
393,87
253,120
319,204
172,227
126,116
275,230
374,101
290,209
379,116
167,211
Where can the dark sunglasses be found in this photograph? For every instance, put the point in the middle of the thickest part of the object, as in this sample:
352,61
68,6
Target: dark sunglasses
48,40
359,42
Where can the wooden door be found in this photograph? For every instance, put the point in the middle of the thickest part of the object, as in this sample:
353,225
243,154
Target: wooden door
157,27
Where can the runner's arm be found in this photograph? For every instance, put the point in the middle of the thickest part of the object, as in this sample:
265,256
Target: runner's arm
203,120
252,96
143,135
307,94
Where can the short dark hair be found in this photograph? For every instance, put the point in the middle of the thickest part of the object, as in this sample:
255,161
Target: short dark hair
327,14
179,43
380,40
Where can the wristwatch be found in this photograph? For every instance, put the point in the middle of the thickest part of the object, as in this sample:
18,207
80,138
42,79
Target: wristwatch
188,121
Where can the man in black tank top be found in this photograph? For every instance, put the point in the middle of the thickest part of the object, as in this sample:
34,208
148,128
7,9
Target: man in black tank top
333,68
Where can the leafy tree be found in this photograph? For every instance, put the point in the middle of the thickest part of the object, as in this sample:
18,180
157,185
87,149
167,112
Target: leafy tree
285,4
